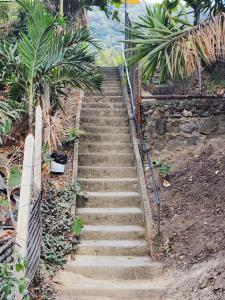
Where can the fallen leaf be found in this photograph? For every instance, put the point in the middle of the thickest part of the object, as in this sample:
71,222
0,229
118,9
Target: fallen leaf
6,233
166,183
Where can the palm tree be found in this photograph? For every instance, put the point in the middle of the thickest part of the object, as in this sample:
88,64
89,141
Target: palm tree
75,10
170,44
152,38
49,54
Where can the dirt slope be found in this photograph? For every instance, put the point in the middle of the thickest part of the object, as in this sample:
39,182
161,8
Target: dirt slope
193,221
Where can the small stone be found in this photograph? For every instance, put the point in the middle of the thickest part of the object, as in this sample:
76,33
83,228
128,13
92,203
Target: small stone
204,282
188,128
192,140
187,113
205,114
208,126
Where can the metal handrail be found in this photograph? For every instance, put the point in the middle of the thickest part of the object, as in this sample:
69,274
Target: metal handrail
144,146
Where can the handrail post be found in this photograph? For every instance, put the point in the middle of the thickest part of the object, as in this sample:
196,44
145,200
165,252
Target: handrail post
24,206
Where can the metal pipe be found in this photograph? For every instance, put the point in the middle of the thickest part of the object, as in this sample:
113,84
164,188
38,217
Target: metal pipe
174,97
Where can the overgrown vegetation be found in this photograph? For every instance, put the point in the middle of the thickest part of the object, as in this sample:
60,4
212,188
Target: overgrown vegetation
12,281
61,230
166,41
46,57
58,220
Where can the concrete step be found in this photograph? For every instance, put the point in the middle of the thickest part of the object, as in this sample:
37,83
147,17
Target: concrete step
106,172
107,69
109,184
106,93
106,138
84,288
111,105
101,98
104,112
106,129
102,148
113,75
112,82
111,215
113,199
104,121
109,232
113,247
107,84
115,267
106,159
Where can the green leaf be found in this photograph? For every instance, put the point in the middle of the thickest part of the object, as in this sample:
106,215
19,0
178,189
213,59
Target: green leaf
77,226
15,175
19,266
21,285
4,203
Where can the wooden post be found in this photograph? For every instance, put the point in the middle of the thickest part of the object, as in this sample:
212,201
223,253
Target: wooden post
38,148
25,198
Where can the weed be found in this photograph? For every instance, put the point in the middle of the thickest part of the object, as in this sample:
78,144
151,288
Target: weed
11,281
162,167
73,134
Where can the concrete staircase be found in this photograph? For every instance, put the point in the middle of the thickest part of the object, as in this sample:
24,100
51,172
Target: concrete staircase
112,260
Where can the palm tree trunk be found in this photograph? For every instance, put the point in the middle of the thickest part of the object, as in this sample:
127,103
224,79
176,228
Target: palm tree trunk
31,110
197,14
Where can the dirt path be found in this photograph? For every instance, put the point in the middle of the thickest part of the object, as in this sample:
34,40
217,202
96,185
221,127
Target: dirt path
193,221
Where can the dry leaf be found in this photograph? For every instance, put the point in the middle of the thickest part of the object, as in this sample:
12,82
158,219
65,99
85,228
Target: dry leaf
6,233
166,183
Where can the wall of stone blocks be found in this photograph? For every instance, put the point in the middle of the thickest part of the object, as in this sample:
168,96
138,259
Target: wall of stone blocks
174,124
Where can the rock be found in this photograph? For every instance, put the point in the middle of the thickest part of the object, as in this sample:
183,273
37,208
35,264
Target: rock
192,140
188,128
161,126
187,113
176,115
205,114
174,126
208,126
221,129
203,282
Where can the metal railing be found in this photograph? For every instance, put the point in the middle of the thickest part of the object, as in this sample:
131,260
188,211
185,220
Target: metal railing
133,82
34,239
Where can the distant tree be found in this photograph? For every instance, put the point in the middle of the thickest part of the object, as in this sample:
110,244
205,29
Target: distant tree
75,9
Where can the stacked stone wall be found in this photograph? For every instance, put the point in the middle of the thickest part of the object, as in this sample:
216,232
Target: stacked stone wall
174,124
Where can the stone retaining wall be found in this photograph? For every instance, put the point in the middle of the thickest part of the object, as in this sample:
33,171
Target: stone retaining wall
174,124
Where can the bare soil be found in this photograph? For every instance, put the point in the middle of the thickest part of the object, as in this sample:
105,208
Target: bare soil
193,221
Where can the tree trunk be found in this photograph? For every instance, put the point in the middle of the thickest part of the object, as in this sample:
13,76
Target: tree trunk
197,14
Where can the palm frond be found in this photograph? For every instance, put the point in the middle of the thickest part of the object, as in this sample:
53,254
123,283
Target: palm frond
169,44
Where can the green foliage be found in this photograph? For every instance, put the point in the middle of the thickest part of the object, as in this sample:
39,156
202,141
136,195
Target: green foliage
9,113
11,281
46,52
4,13
77,226
57,223
73,134
14,178
74,8
4,202
46,154
110,57
153,38
162,167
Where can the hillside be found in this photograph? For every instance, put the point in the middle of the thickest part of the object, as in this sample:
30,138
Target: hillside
108,32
